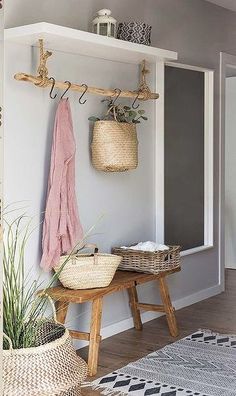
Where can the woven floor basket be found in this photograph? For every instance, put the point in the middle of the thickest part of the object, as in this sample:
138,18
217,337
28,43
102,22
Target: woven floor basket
148,262
50,369
114,146
87,271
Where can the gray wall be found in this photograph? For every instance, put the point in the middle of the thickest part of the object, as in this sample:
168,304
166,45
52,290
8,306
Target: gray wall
74,13
125,199
198,31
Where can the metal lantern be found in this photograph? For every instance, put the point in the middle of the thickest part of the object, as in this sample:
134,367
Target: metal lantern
104,24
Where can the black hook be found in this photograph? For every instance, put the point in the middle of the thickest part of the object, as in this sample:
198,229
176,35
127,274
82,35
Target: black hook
86,88
52,88
67,89
135,100
118,92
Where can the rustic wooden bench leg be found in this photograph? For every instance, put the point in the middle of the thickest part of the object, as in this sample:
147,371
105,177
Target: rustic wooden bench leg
94,339
61,310
133,300
169,309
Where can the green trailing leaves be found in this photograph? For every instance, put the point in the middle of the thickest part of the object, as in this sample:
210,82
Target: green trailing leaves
93,119
24,310
120,113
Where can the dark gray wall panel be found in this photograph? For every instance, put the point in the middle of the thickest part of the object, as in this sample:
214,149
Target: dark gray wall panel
184,157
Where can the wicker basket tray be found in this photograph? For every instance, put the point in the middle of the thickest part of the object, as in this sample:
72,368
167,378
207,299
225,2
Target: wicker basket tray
148,262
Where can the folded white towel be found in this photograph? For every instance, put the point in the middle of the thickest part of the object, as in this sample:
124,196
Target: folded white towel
147,246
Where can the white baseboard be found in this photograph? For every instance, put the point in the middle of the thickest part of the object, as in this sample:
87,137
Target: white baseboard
127,324
230,266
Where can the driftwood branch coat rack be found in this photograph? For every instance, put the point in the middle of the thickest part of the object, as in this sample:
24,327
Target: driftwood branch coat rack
42,80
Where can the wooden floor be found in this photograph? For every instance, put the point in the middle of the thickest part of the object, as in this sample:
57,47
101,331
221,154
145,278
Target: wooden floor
217,313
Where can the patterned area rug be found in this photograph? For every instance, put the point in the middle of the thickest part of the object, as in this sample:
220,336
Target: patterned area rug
202,364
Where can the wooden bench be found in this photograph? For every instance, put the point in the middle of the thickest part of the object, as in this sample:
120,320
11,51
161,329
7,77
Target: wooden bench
122,280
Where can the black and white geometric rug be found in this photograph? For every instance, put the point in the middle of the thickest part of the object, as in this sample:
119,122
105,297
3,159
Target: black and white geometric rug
202,364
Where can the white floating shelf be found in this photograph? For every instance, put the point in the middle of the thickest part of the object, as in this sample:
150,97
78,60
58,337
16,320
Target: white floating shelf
75,41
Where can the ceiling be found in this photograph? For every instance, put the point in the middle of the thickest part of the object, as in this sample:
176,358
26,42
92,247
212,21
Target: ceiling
230,4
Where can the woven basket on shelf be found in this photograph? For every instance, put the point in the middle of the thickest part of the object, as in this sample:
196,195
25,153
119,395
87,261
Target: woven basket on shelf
114,146
87,271
52,368
136,32
148,262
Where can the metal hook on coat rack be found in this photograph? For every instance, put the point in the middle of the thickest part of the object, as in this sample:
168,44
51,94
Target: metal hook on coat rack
52,88
135,100
41,80
67,89
86,88
118,92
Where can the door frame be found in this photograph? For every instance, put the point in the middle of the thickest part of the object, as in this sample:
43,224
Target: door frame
208,159
225,61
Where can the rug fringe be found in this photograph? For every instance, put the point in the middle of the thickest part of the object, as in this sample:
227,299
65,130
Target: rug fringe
207,331
104,391
215,333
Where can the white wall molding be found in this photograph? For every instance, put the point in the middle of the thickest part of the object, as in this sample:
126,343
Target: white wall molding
208,159
159,153
225,61
195,250
127,324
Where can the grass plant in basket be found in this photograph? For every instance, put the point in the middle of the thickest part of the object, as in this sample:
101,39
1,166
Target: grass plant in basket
38,356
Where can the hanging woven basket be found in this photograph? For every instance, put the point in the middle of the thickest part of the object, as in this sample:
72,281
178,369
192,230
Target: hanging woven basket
114,146
52,368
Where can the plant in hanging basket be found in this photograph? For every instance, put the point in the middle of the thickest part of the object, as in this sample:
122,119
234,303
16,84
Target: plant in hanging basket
120,113
38,355
115,144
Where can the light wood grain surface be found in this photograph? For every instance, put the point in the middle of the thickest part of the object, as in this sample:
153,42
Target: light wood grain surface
79,88
122,280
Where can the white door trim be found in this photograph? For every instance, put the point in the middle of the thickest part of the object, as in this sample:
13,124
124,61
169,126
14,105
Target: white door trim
225,60
159,152
208,160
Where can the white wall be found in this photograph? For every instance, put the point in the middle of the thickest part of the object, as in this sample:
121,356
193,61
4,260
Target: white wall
230,173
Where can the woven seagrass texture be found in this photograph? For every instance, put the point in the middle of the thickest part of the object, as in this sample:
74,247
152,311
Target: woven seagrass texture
75,391
148,262
114,146
51,369
84,271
